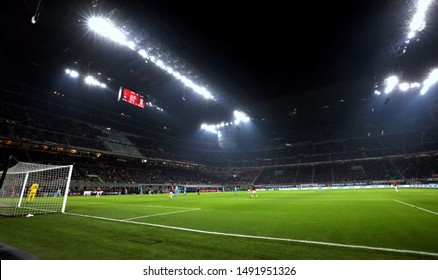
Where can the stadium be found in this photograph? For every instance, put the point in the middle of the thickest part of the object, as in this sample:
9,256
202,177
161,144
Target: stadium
139,131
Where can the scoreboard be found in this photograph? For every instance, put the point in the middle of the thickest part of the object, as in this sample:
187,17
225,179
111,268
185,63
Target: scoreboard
131,97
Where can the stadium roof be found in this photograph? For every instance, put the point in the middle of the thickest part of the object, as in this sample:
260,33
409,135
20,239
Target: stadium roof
251,56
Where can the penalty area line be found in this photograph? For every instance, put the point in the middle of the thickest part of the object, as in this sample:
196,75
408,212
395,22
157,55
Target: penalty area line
263,237
161,214
411,205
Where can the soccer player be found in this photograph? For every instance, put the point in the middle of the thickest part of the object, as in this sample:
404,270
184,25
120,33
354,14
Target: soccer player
176,190
32,192
58,192
395,186
185,190
171,192
254,193
235,190
98,192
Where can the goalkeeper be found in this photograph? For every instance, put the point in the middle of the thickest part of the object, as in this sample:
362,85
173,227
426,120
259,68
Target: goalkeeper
32,192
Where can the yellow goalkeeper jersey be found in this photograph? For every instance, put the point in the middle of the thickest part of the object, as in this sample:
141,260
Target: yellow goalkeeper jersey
34,187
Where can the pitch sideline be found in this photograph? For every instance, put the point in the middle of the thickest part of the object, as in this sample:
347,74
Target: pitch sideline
411,205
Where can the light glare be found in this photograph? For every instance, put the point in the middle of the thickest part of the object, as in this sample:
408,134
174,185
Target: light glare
106,28
391,82
430,81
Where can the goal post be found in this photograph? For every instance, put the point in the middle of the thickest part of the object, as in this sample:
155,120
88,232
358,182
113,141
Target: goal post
32,188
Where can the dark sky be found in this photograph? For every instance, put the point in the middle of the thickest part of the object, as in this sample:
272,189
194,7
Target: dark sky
278,48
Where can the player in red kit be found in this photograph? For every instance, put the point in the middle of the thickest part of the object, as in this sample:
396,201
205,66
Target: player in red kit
253,191
171,192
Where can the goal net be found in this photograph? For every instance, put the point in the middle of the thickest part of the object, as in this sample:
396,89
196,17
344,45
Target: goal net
30,188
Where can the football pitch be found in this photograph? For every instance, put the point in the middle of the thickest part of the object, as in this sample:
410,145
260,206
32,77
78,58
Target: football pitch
360,224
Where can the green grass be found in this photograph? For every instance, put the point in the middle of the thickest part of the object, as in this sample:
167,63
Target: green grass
227,227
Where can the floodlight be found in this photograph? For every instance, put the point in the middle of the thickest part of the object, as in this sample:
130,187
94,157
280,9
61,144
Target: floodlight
90,80
403,86
150,48
210,128
72,73
415,85
205,93
106,29
160,64
241,116
99,25
391,82
430,81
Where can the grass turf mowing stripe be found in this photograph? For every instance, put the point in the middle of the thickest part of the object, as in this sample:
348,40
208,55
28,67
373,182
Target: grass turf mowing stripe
415,207
265,237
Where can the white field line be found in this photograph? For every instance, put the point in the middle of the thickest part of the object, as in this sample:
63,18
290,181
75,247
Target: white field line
415,207
264,237
161,214
140,205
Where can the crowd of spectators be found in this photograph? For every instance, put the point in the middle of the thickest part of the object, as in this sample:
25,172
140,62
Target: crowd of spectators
118,152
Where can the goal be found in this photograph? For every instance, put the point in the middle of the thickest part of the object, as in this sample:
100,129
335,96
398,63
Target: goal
16,198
